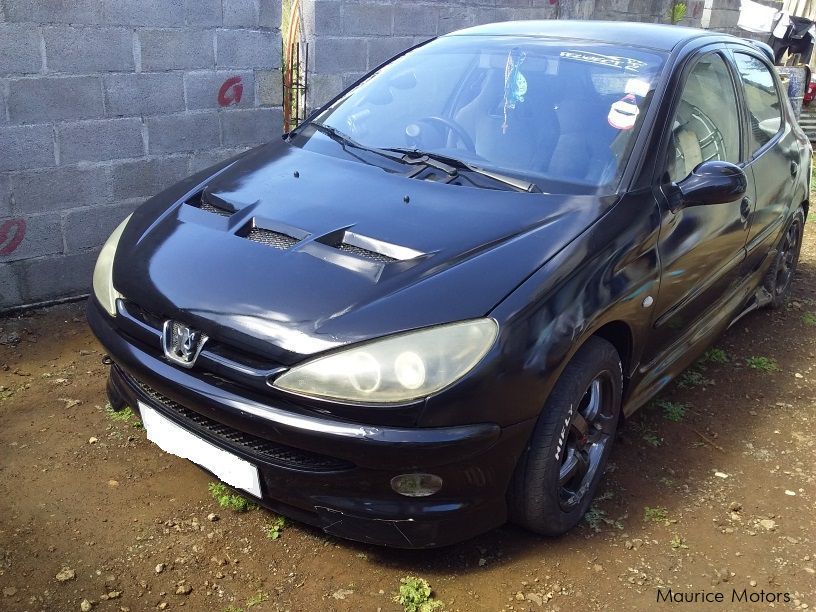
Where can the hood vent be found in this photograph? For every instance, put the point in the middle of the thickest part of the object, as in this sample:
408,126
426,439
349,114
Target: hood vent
207,205
276,240
365,253
368,248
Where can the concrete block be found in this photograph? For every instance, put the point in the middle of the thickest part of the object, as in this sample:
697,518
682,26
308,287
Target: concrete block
41,100
201,160
3,118
338,55
26,146
382,49
47,278
241,13
54,11
143,178
19,49
161,13
350,78
100,140
323,17
10,275
59,188
42,235
203,89
270,87
176,49
364,18
252,126
144,93
5,195
322,88
269,15
415,19
203,13
454,18
187,132
85,49
87,228
248,49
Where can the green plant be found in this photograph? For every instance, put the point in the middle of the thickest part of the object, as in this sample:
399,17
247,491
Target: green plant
763,364
694,378
232,608
673,411
597,518
678,542
809,318
227,499
125,415
274,530
715,355
677,12
257,598
416,595
655,515
652,439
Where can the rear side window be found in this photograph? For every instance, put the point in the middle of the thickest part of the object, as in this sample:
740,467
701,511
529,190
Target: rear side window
762,99
706,123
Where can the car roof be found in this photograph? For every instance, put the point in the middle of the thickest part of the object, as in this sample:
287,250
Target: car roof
656,36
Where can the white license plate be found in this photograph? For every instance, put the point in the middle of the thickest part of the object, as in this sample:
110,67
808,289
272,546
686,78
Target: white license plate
178,441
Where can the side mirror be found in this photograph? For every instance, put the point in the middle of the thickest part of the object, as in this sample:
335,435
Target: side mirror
711,182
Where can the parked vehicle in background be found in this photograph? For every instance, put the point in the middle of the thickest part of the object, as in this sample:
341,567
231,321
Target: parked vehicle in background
426,310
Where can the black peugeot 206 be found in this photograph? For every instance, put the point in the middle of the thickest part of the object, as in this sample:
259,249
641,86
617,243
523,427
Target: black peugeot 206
426,310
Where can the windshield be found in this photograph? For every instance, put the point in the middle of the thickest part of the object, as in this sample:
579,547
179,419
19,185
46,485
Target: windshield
563,114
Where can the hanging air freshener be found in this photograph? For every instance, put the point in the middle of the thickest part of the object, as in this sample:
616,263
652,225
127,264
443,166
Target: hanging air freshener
515,84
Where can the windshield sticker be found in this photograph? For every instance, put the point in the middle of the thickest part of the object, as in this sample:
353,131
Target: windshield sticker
623,113
638,87
515,84
628,64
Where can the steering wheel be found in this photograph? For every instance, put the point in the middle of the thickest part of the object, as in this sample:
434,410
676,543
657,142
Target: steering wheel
449,125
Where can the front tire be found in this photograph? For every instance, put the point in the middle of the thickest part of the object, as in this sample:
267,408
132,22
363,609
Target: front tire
558,474
779,279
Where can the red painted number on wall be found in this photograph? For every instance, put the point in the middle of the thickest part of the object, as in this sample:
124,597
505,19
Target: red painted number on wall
230,92
11,235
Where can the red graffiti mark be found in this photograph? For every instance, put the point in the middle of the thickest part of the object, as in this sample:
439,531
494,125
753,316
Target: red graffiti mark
553,1
11,235
230,92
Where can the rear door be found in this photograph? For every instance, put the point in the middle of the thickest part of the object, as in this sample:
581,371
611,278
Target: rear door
772,152
701,247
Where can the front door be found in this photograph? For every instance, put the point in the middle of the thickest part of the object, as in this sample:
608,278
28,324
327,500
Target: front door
701,247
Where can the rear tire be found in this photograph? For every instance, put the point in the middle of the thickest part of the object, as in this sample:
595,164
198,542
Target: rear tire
558,474
779,279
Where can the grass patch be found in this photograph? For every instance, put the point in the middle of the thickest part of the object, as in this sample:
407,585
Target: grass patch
809,318
715,355
257,599
652,439
597,519
673,411
763,364
416,595
227,499
274,530
678,542
125,415
655,515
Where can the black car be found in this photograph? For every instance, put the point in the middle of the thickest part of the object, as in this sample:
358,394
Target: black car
426,310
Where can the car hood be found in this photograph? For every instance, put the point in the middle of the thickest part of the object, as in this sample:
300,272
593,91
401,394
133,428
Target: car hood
365,253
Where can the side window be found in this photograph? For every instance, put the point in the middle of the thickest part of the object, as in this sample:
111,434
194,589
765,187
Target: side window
762,99
706,123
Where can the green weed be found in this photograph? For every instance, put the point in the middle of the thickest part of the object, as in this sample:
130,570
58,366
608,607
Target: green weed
256,599
655,515
673,411
125,415
416,595
809,318
678,542
274,530
715,355
763,364
694,378
652,439
597,519
227,499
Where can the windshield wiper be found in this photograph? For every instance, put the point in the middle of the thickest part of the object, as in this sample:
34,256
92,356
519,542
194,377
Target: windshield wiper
347,141
450,165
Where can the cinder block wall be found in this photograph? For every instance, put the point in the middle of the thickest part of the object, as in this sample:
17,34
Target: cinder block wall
349,37
105,102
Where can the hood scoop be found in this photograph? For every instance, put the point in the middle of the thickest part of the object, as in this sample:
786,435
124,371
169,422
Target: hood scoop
368,248
272,234
211,204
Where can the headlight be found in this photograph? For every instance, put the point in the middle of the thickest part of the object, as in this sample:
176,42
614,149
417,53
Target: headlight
396,369
103,272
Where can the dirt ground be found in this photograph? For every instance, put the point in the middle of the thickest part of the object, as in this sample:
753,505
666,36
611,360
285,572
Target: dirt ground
711,488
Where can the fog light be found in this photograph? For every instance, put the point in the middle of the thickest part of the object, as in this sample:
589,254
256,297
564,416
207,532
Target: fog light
416,485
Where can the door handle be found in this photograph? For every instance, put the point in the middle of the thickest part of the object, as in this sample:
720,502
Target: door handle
794,168
745,208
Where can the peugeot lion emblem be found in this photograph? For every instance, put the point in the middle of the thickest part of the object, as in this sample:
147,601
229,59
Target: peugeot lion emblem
182,344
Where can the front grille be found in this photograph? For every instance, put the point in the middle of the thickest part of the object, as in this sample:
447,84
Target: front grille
365,253
276,240
207,207
272,452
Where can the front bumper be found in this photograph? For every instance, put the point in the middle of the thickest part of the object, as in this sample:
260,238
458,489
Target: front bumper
326,472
